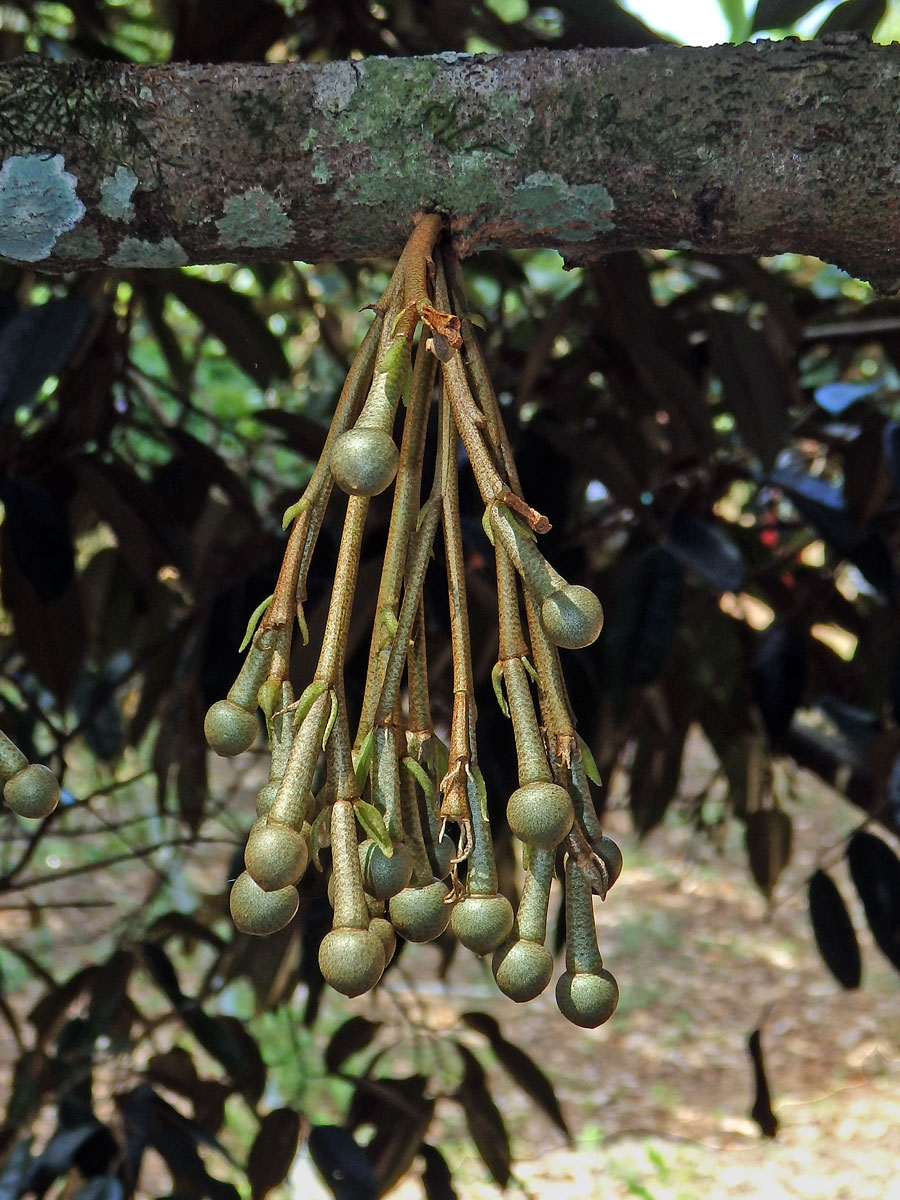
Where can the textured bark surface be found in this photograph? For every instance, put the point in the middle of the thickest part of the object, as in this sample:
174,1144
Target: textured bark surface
756,148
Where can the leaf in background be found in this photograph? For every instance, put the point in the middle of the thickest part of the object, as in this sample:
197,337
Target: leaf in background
101,1187
822,506
273,1151
163,973
863,15
232,318
483,1117
875,871
835,398
35,344
301,433
149,1120
523,1069
14,1169
833,930
752,388
778,674
49,1012
891,444
761,1112
436,1178
768,838
58,1156
39,536
50,635
780,14
867,484
638,633
227,1040
857,725
701,545
348,1039
146,538
31,1081
342,1163
655,773
401,1112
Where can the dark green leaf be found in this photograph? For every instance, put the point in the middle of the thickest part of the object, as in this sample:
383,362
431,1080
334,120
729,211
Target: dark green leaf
187,929
699,543
342,1163
833,930
863,15
891,443
638,633
227,1040
523,1069
58,1156
48,1014
32,1079
752,386
163,973
149,1120
761,1111
857,725
348,1039
102,1187
14,1170
35,344
779,14
39,537
483,1118
822,506
768,839
875,871
273,1151
778,674
436,1178
655,773
232,318
401,1112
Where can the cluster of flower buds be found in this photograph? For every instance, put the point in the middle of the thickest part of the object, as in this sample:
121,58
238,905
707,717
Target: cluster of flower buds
388,796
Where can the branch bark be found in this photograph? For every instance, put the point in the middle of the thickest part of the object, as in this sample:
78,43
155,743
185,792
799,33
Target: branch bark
757,148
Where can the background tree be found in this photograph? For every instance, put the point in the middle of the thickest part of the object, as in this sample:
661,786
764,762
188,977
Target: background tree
715,441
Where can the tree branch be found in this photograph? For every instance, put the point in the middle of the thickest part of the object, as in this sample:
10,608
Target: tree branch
757,148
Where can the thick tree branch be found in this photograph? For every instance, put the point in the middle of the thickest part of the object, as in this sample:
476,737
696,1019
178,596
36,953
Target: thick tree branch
757,148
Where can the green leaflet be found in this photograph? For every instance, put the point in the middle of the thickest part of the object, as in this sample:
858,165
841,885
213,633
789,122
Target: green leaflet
332,717
308,698
480,789
587,758
255,618
497,684
290,513
364,759
421,776
486,525
373,823
304,628
269,695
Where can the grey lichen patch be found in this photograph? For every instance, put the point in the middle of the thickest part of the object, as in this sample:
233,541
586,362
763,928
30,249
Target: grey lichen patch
438,143
321,173
79,243
254,218
134,252
545,202
116,192
310,140
336,85
38,202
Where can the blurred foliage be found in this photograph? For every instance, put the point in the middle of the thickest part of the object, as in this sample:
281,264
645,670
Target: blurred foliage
717,444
